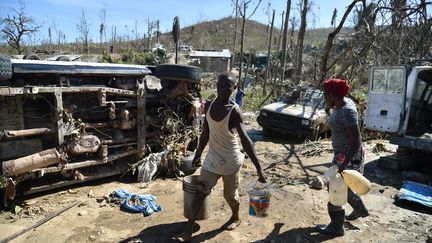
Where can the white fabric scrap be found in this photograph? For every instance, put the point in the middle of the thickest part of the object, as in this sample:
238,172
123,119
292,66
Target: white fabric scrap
149,166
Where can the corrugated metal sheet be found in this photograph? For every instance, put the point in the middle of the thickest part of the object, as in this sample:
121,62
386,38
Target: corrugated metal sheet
416,192
223,54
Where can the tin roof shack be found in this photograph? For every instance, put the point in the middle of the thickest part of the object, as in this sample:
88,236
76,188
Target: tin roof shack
211,61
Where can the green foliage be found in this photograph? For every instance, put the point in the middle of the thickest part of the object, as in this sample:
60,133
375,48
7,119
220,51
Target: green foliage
253,99
208,94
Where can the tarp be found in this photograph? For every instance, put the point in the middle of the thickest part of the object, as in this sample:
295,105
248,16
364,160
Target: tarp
147,205
416,192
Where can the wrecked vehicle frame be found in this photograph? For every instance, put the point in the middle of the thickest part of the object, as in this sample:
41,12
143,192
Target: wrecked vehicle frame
69,122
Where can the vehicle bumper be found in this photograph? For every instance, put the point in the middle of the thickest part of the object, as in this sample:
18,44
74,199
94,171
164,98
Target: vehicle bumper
285,127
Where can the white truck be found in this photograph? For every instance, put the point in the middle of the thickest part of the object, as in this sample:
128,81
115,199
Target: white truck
400,103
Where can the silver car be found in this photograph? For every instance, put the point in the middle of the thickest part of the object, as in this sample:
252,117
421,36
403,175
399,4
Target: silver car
298,113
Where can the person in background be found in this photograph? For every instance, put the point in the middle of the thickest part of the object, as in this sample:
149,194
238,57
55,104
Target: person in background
239,96
347,149
222,126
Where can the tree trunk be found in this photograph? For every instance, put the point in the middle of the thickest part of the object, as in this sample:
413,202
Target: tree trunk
235,36
242,45
300,41
330,38
284,44
268,55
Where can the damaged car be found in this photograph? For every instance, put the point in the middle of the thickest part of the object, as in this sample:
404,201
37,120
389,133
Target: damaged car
299,112
67,122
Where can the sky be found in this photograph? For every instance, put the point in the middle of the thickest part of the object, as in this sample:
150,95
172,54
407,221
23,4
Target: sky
64,15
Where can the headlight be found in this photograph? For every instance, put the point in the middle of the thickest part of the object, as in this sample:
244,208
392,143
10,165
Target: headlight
305,122
263,113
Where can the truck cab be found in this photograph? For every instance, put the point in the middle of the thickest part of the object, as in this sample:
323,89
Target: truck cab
400,103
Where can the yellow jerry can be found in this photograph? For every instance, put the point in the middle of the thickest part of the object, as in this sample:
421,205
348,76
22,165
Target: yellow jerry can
356,181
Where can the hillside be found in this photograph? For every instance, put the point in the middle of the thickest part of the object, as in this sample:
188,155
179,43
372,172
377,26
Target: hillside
219,34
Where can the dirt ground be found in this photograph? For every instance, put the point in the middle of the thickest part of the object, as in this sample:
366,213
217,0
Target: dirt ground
294,211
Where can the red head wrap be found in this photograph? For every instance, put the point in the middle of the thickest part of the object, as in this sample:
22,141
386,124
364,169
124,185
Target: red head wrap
337,87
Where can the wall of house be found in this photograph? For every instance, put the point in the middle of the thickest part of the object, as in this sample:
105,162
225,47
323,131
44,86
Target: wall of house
213,64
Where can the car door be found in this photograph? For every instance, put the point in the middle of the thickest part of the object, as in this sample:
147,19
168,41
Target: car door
386,99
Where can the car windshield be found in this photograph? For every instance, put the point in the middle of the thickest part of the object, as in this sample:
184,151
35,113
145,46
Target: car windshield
309,97
312,98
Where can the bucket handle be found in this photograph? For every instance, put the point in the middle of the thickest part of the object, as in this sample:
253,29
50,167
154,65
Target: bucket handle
266,185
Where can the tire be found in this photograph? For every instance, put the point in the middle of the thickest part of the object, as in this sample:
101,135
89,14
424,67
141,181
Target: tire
178,72
63,58
5,68
31,56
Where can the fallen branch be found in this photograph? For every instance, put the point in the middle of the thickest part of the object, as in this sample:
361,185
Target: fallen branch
47,218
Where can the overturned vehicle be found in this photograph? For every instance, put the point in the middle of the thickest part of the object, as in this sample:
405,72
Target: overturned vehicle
68,122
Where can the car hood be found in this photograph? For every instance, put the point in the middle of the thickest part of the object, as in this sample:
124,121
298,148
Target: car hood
297,110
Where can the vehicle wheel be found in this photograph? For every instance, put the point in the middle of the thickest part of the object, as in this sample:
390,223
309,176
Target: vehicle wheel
5,68
178,72
187,166
63,58
31,56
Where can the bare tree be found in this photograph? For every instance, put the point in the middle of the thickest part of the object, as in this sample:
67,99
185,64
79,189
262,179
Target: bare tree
176,35
17,26
235,35
333,19
329,43
284,43
243,6
269,54
151,25
102,26
300,40
84,30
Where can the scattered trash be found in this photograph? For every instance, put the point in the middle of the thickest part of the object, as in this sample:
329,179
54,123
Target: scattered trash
18,209
317,183
416,192
138,203
90,193
72,191
148,166
379,147
82,213
92,238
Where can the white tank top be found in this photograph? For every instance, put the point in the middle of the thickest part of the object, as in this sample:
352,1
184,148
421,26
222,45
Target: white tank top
224,156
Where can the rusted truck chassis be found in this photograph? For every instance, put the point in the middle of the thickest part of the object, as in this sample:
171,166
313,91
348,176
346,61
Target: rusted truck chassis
68,122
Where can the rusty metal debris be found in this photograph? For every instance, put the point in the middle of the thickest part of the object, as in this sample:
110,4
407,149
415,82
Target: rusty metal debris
85,121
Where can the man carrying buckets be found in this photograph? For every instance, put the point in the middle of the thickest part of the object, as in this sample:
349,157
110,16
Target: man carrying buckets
347,149
222,123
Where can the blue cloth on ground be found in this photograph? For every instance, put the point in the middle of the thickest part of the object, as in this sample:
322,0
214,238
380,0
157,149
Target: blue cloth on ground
148,206
416,192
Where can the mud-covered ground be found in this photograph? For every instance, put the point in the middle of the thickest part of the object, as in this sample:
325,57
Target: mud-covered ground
294,210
